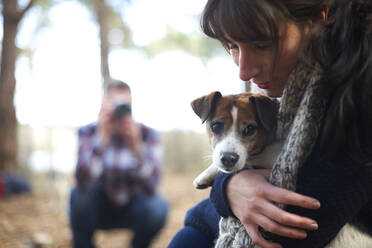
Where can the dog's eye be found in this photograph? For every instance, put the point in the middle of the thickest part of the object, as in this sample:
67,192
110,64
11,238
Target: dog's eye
249,130
217,127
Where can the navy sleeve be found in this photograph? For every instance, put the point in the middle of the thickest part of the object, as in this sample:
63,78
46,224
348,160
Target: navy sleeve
218,195
343,189
204,218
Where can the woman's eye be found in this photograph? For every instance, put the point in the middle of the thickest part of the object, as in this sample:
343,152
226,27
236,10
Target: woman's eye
249,130
232,46
263,46
217,127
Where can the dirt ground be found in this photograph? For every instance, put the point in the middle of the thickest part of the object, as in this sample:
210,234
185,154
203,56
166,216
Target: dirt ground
39,220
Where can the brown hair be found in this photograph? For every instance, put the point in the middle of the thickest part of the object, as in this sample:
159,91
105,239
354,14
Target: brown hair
342,45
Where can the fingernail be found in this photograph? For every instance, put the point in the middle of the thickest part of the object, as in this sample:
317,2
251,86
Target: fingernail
316,205
314,226
303,235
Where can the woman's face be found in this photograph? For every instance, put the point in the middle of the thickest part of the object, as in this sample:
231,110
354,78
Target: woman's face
255,59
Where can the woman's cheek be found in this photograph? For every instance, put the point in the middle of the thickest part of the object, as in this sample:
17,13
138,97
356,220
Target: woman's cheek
235,56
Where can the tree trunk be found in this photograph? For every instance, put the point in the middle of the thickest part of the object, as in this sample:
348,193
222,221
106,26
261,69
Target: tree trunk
101,15
8,122
247,86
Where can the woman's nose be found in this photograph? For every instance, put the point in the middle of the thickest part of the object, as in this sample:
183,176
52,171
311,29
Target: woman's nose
248,67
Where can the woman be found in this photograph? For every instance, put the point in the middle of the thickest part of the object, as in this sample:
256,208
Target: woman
317,56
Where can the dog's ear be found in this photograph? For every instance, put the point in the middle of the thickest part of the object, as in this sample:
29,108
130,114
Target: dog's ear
266,110
205,105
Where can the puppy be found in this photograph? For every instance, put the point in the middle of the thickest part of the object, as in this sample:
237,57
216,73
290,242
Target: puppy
241,130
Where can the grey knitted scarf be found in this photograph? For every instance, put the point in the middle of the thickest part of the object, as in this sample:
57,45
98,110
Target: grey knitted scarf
300,115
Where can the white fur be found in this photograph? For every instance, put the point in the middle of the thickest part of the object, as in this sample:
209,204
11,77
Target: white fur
263,160
232,143
351,237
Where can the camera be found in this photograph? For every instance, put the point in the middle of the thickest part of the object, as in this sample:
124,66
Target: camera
122,109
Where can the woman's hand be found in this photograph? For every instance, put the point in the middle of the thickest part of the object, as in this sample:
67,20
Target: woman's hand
252,197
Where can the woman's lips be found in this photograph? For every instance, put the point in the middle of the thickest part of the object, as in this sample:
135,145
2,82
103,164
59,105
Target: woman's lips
264,86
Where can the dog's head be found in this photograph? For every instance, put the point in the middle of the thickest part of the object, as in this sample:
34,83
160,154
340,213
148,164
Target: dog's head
239,126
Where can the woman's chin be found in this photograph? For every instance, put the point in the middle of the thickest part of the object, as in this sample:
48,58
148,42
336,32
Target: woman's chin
273,93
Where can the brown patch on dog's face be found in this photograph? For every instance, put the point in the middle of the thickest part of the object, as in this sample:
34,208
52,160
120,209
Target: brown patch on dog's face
221,120
250,119
252,132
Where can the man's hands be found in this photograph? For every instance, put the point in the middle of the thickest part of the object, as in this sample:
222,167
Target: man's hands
105,122
252,197
125,126
131,133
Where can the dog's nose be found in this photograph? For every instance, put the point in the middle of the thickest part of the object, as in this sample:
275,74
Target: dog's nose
229,159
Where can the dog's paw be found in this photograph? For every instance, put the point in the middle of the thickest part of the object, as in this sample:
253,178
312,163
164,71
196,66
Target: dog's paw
200,184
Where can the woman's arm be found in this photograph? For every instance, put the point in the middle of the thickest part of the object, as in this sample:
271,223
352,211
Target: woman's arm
250,197
344,189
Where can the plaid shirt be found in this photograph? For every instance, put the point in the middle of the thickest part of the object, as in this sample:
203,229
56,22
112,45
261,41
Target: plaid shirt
121,174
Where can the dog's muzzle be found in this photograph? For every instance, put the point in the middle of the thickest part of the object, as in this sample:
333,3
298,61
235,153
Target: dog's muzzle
229,159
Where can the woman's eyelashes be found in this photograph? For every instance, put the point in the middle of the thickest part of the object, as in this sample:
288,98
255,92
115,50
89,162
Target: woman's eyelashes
232,46
262,46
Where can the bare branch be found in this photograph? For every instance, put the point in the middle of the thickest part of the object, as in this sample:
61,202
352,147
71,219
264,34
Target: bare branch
22,12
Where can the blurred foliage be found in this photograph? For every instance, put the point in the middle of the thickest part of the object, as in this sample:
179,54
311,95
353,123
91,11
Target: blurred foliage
115,16
47,149
41,8
185,151
25,144
195,44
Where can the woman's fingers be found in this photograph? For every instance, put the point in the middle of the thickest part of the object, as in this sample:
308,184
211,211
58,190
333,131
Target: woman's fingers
287,197
257,238
283,217
263,214
252,199
284,196
278,229
255,183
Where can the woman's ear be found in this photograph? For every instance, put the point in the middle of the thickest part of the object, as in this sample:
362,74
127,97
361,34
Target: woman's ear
324,13
323,16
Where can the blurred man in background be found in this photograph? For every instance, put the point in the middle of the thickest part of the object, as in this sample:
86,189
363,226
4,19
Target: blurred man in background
117,174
